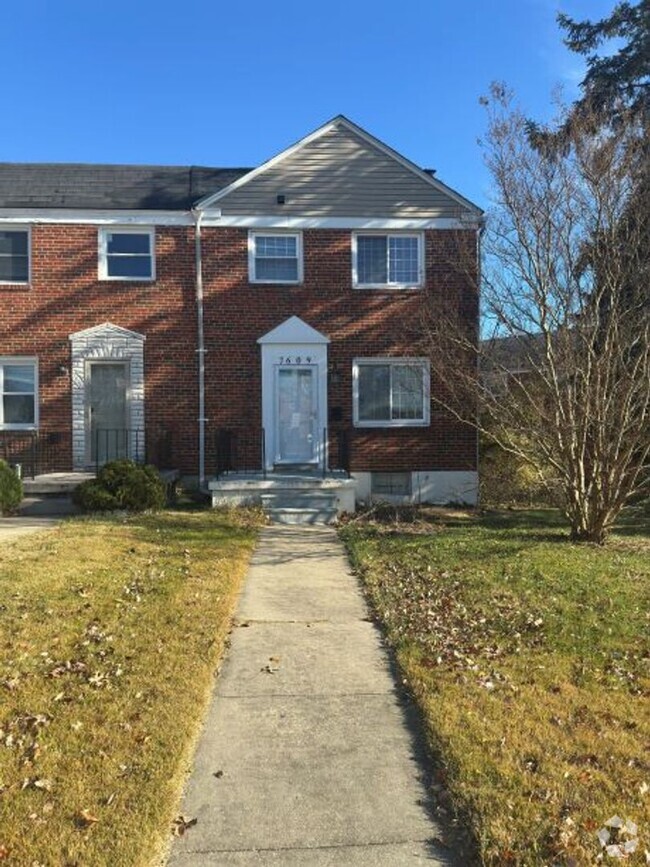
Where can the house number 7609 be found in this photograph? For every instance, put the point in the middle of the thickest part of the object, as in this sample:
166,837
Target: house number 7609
295,359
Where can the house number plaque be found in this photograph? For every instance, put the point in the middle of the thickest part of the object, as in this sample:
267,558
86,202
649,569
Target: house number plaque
294,359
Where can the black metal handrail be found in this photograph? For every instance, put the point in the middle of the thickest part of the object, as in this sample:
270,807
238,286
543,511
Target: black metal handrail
338,450
110,444
240,451
35,452
136,444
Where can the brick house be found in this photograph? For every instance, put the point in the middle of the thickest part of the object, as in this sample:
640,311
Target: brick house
230,320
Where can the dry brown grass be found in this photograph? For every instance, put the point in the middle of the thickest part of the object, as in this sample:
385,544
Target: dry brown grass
110,633
529,658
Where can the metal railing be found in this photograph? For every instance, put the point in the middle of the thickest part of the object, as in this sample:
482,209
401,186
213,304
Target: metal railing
109,444
243,451
240,451
337,450
35,452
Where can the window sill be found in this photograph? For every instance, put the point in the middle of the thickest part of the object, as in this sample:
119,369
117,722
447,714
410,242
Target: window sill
275,282
146,280
390,425
390,287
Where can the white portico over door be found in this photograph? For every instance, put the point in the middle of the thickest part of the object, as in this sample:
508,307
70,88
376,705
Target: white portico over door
294,394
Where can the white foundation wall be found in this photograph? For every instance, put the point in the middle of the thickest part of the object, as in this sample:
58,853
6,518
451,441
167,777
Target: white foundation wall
428,486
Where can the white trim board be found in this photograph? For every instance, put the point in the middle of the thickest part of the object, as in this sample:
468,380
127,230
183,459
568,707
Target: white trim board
212,218
96,217
370,223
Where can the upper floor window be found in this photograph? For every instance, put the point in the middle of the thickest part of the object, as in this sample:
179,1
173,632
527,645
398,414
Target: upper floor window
126,254
14,255
18,388
274,257
380,260
391,392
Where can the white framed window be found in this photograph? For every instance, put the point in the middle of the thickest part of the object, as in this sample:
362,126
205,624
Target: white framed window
381,260
15,243
390,392
275,257
18,393
127,254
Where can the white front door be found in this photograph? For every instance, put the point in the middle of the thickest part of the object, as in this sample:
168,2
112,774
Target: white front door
107,411
296,414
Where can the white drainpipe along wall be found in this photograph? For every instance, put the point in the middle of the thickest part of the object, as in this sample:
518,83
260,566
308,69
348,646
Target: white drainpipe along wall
200,340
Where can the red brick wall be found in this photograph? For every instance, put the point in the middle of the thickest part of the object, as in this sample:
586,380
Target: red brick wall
65,296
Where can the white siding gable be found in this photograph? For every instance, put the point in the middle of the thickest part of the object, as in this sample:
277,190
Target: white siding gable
341,173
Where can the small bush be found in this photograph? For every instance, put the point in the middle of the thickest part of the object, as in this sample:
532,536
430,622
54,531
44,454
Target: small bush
122,484
506,480
11,489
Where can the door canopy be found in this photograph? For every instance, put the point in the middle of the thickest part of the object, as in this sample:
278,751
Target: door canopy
293,331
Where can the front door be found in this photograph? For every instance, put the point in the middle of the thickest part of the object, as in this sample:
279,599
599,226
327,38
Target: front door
297,416
107,411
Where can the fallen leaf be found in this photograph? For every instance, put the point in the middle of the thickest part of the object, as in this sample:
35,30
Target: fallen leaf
85,818
181,824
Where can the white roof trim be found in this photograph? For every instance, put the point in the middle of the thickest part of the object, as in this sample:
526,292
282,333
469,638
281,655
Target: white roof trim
212,217
99,217
293,331
280,222
340,120
106,329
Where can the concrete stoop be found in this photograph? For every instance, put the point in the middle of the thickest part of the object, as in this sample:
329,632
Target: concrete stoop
51,494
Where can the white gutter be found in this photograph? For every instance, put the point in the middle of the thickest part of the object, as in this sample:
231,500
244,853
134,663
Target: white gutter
200,340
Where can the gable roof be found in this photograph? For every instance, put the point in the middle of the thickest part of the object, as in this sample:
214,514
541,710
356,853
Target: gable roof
80,185
341,122
369,177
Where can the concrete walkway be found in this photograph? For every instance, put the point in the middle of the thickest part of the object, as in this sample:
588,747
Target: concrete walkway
309,755
21,525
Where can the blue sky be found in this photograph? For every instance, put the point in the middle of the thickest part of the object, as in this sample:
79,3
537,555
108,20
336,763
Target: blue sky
208,82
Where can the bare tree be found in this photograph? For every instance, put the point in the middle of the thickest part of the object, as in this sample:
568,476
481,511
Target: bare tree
561,376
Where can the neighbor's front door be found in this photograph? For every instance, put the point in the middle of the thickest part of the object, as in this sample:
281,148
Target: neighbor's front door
107,409
296,415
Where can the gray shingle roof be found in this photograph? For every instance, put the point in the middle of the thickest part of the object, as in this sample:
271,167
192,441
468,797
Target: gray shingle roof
76,185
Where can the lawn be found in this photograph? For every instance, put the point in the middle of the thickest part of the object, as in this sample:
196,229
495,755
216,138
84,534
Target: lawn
110,633
528,657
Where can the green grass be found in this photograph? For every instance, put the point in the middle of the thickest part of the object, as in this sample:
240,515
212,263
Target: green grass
529,659
110,633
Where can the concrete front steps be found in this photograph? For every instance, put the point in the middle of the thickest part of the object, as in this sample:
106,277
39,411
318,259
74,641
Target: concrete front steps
288,498
51,494
300,506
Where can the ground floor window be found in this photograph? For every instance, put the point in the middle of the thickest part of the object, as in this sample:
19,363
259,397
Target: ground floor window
18,391
391,392
395,484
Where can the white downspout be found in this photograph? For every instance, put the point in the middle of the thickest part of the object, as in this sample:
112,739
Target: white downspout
200,340
479,277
